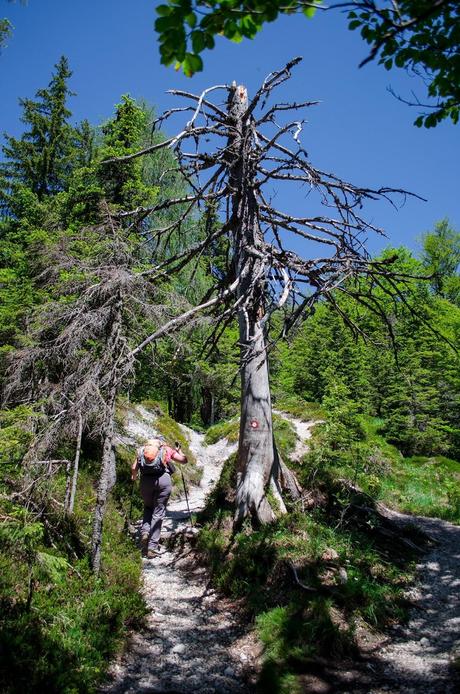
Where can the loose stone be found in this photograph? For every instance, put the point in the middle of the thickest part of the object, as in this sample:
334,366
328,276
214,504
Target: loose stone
179,648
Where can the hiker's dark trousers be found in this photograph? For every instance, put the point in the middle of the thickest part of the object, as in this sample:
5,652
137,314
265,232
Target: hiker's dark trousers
155,492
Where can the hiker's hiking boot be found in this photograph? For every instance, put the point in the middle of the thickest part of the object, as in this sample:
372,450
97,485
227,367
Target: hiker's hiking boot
155,552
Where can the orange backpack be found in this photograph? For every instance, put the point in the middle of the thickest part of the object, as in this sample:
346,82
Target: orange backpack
151,459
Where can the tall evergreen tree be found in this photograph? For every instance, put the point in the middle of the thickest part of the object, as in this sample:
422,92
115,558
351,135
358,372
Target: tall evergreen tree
441,258
41,159
96,301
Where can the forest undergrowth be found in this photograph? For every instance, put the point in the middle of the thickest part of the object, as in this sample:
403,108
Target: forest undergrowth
60,624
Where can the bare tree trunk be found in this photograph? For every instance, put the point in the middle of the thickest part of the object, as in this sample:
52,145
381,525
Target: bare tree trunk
68,485
256,449
107,473
213,409
70,500
103,488
284,478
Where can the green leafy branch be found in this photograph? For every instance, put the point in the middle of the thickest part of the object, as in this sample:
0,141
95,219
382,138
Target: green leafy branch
420,36
186,29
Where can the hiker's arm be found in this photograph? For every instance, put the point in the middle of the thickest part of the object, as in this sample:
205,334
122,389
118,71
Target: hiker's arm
178,456
134,468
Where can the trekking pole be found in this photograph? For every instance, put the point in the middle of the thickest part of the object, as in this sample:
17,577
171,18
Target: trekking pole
177,447
128,518
186,498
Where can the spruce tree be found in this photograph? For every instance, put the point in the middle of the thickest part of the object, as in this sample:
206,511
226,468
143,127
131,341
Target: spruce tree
41,159
441,258
96,302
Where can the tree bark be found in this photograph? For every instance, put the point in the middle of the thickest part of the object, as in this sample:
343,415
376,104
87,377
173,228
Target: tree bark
107,473
256,453
72,487
286,478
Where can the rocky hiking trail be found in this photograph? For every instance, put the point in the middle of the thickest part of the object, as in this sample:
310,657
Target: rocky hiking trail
416,657
196,641
193,640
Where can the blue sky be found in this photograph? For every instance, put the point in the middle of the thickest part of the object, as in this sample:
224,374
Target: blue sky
359,131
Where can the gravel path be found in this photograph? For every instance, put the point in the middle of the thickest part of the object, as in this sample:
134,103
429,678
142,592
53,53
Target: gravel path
419,655
193,641
303,431
210,459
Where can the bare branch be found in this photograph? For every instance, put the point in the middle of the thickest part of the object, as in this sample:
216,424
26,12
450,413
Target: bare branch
273,80
178,321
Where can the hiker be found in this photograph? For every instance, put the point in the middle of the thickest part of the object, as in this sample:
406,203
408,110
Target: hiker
154,462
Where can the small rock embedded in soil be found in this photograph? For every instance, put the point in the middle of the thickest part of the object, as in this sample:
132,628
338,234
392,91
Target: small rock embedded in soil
179,648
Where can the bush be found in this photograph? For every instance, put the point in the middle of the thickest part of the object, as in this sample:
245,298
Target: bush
60,625
223,430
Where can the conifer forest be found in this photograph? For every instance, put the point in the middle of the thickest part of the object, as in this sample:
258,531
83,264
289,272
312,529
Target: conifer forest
194,275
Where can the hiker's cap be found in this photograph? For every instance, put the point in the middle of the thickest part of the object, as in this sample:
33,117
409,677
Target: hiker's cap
152,441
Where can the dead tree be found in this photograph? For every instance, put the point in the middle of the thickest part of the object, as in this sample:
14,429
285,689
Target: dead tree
80,353
239,149
107,472
71,485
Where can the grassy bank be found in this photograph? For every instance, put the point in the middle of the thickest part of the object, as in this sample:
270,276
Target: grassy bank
307,579
60,625
419,485
333,562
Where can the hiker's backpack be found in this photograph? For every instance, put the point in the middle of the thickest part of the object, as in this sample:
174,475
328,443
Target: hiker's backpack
151,460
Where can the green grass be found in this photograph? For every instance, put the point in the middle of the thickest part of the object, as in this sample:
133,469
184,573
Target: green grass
298,407
155,406
372,427
285,436
424,486
292,635
16,427
428,486
223,430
